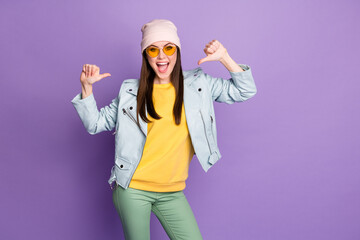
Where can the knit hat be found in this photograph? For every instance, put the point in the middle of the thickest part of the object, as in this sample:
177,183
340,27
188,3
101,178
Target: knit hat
159,30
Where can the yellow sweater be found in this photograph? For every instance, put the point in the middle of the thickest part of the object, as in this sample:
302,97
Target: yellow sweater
168,149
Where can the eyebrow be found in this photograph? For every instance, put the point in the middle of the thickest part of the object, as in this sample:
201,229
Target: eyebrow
164,45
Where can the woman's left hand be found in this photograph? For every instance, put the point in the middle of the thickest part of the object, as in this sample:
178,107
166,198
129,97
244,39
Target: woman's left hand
214,50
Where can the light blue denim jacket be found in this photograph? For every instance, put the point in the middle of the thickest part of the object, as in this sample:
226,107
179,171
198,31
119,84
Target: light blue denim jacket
200,91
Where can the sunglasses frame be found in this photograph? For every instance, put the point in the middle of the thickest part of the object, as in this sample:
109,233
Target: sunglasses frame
146,50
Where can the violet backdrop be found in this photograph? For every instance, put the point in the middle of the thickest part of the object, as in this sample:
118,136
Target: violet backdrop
290,155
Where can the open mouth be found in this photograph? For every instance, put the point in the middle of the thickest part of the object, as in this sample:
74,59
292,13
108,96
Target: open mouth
162,67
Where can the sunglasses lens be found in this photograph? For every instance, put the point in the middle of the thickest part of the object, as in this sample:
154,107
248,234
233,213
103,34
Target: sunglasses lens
152,51
169,50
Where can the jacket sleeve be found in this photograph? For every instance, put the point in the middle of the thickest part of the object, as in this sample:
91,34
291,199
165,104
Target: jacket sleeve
94,120
238,88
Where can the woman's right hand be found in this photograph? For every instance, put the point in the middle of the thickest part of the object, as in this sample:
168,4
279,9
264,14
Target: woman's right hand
91,74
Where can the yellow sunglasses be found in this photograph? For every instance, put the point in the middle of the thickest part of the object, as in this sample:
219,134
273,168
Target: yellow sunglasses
154,51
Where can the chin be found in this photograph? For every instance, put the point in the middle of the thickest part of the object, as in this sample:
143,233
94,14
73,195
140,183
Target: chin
163,75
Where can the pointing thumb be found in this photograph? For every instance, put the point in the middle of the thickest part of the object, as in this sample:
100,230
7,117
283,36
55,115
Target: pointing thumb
205,59
101,76
104,75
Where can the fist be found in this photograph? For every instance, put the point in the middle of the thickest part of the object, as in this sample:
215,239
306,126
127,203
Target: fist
214,50
91,74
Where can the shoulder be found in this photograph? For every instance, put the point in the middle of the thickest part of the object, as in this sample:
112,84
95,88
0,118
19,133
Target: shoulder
192,72
131,82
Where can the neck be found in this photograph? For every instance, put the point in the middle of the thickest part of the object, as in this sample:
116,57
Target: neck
161,80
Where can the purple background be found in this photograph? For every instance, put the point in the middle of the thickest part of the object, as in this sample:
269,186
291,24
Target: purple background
290,165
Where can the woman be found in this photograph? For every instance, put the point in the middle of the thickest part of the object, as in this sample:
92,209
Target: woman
161,120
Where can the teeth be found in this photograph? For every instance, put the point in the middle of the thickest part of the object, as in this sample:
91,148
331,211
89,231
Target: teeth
162,63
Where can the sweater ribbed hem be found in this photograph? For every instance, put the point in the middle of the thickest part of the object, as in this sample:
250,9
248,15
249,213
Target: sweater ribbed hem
156,187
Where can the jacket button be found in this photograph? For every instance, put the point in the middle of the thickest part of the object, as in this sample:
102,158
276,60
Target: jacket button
131,108
121,166
199,89
130,89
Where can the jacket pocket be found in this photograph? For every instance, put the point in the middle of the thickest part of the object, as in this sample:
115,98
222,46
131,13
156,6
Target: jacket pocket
116,127
123,170
122,164
208,120
212,126
205,129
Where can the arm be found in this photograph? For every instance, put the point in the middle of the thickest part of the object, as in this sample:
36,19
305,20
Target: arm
238,88
94,120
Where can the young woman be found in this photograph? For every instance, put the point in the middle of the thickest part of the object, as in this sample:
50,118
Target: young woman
161,120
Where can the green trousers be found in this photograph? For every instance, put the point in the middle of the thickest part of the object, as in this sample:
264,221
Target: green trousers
134,207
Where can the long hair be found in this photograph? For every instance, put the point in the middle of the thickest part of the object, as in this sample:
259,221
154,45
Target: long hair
145,90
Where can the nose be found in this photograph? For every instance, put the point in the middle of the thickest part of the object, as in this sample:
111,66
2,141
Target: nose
161,54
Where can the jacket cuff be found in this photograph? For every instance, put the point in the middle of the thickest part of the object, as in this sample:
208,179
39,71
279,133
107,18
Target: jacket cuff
86,108
88,103
78,100
244,80
245,67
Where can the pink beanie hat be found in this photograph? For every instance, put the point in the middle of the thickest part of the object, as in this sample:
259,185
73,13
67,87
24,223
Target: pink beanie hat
159,30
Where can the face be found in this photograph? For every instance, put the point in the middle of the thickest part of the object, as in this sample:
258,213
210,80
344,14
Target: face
163,72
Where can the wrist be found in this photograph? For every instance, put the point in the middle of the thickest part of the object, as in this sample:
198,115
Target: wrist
86,87
86,90
226,58
230,64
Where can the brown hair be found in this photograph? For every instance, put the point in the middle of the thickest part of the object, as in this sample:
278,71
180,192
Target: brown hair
145,90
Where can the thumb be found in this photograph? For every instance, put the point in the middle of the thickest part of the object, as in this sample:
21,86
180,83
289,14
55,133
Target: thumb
104,75
205,59
101,76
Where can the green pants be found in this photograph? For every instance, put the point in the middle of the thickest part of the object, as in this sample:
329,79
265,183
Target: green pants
171,208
